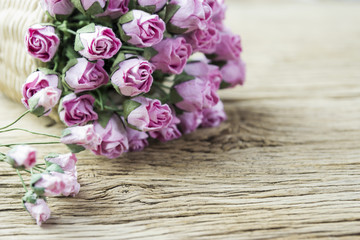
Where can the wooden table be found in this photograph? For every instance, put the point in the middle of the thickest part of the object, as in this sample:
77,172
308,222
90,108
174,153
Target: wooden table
285,165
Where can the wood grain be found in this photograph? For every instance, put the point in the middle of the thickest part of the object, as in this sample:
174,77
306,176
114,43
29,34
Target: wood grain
286,164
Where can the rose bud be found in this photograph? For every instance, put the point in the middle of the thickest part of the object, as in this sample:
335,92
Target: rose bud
137,140
57,7
133,77
114,138
39,210
141,29
213,117
90,7
80,138
152,5
82,75
234,73
229,47
48,184
190,121
35,82
206,40
115,9
187,15
66,161
172,55
169,133
147,114
77,110
203,70
218,10
44,100
72,187
97,42
42,42
22,156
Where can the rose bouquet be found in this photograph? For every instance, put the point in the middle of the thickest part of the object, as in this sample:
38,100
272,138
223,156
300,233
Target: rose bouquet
120,72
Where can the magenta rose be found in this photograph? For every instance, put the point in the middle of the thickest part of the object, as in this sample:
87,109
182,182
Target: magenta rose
85,75
192,15
147,114
190,121
115,9
77,110
205,40
97,42
84,136
38,210
213,117
157,4
114,138
42,42
22,156
172,56
57,7
234,72
133,77
168,133
44,100
229,47
137,140
35,82
218,10
205,71
144,30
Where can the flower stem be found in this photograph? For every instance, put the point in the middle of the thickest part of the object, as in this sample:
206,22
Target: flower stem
22,115
24,130
22,180
132,48
70,31
113,109
31,143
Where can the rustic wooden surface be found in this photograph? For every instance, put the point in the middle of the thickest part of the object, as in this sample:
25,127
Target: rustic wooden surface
285,165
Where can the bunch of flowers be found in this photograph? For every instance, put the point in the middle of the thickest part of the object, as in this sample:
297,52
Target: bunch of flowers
120,72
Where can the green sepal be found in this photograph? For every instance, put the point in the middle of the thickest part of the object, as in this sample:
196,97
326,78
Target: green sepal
162,14
119,58
224,85
183,77
127,17
47,71
70,52
49,156
149,9
149,53
29,197
220,64
175,96
123,36
34,108
34,179
65,132
78,46
171,9
54,168
93,10
75,148
72,62
129,106
175,29
104,118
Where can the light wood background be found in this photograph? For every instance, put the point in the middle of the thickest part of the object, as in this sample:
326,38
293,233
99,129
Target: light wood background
285,165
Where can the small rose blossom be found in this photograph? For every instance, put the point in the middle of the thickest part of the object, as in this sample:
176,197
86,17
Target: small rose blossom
218,10
159,4
81,135
86,4
172,56
72,187
42,42
234,72
86,76
115,9
213,117
100,44
66,161
205,40
205,71
133,77
44,100
114,138
229,47
57,7
145,30
35,82
137,140
190,121
192,15
40,211
169,133
77,110
22,156
52,183
150,115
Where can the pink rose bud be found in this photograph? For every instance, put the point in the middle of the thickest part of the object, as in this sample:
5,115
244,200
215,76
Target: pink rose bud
141,29
172,56
147,114
190,121
22,156
39,211
115,9
205,40
114,138
72,187
234,73
52,184
82,75
190,15
97,42
66,161
168,133
213,117
137,140
133,77
229,48
44,100
77,110
42,42
156,5
57,7
35,82
80,138
218,10
205,71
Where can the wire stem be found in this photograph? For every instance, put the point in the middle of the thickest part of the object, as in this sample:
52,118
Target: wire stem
25,130
22,180
22,115
32,143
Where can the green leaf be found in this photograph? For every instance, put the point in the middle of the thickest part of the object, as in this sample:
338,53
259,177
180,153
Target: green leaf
34,179
183,77
150,8
75,148
171,9
54,168
128,17
72,62
129,106
175,29
78,46
70,53
66,132
175,96
29,197
95,9
149,53
104,118
119,58
162,14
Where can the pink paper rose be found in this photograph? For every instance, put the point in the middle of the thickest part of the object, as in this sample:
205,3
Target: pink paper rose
86,76
98,43
190,121
66,161
234,72
115,9
137,140
205,40
52,184
133,77
205,71
72,187
144,30
44,100
84,136
22,156
114,138
213,117
172,56
42,42
86,4
57,7
77,110
159,4
168,133
229,47
39,211
218,10
149,115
